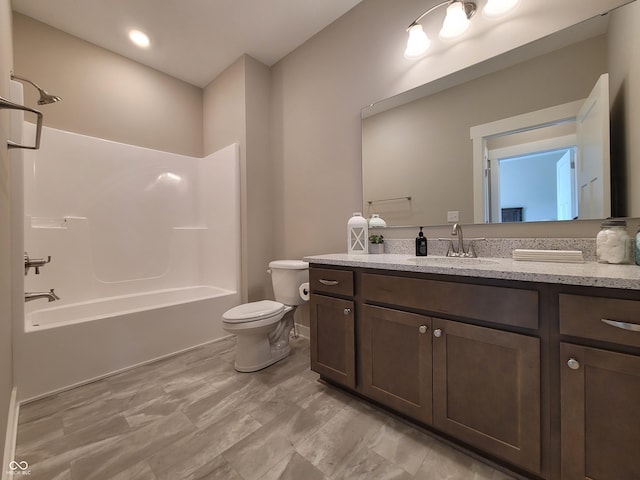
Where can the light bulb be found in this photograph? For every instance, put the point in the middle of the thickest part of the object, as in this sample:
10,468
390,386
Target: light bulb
418,42
495,8
456,21
139,38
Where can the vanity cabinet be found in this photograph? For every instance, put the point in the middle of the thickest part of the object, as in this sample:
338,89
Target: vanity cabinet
396,357
599,387
480,385
486,390
541,377
332,325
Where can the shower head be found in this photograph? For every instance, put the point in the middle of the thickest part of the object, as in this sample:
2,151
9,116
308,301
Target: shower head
45,98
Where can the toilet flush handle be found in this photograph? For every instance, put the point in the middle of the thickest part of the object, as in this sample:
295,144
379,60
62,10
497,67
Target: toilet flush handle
269,271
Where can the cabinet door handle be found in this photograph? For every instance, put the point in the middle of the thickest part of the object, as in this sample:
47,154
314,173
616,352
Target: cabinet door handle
573,364
347,311
437,333
423,329
623,325
330,283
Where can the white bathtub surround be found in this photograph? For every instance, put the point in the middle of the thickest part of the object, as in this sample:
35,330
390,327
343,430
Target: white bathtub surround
145,249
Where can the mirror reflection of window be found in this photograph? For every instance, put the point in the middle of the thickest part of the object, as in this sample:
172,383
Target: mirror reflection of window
537,186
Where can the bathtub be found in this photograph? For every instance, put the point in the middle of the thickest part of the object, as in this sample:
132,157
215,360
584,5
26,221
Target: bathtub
82,342
106,308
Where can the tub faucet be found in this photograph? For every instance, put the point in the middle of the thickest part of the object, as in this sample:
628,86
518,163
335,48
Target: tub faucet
34,263
50,295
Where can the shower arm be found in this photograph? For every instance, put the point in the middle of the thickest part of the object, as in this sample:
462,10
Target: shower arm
4,103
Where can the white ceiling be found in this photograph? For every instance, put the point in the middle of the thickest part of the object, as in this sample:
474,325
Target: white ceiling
193,40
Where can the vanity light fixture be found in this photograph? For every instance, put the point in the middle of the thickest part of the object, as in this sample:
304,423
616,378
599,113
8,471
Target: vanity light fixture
495,8
456,22
139,38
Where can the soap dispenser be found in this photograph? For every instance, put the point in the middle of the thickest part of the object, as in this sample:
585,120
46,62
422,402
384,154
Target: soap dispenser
421,245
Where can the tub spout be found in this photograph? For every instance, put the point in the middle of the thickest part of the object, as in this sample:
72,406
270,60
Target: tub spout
50,295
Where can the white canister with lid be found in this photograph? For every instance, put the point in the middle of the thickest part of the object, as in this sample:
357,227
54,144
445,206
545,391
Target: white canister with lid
613,243
376,221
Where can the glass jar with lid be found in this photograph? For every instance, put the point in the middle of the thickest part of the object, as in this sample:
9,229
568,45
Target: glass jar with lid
613,243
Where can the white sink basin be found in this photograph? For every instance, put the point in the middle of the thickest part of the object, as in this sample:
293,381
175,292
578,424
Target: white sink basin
453,261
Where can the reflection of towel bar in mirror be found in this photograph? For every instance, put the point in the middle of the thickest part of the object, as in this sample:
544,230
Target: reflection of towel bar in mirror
408,198
4,103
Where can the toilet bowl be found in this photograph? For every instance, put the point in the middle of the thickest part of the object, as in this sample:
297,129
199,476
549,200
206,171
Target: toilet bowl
262,328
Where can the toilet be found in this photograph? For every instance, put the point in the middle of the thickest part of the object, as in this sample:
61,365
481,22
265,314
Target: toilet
263,327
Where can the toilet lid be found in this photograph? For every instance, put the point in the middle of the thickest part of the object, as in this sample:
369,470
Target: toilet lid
253,311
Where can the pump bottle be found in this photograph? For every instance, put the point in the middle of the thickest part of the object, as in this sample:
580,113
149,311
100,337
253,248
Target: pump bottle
421,245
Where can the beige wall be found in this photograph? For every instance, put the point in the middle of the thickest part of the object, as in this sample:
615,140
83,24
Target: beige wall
106,95
423,149
319,89
6,363
236,109
260,182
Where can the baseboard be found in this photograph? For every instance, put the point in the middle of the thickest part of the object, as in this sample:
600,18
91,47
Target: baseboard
303,330
11,435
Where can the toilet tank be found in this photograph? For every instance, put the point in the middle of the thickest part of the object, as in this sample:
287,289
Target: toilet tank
286,277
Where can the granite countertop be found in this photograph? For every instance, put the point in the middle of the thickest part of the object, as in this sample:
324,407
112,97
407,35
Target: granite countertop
590,274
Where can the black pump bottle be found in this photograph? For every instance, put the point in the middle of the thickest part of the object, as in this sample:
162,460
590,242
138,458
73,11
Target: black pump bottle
421,245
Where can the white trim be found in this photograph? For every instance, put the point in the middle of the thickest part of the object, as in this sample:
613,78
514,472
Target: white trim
528,121
557,143
303,330
11,434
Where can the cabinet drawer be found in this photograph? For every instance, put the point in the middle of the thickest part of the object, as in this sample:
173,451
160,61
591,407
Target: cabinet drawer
582,316
508,306
326,280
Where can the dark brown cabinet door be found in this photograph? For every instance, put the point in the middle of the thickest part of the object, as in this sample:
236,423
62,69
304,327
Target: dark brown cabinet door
600,414
396,360
486,390
332,339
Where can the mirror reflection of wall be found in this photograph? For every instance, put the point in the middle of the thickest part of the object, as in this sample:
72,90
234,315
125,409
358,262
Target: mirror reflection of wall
422,149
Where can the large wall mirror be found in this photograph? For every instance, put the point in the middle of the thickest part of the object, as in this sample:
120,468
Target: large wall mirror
508,140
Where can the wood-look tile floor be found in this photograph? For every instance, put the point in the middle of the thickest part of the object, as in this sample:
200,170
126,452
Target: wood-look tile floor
192,416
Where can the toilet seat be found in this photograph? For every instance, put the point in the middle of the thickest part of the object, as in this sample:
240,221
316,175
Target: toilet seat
254,311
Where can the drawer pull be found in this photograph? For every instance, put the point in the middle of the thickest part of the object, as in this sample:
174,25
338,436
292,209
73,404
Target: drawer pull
347,311
573,364
423,329
329,283
623,325
437,333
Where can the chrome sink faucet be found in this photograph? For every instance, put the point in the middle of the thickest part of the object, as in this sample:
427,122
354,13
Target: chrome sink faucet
457,232
50,296
452,251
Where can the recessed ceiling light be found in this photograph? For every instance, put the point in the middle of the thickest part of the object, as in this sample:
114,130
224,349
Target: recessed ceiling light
139,38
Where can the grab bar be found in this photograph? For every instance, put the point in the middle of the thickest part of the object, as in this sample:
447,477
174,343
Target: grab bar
4,103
